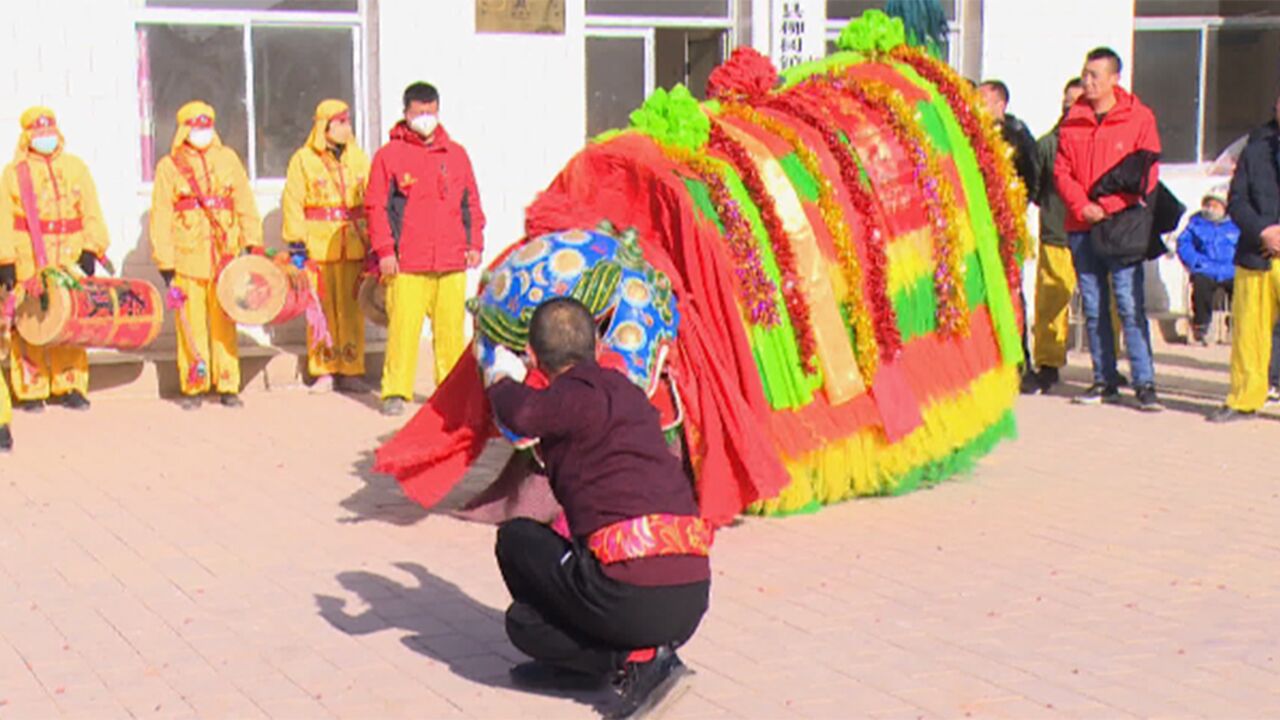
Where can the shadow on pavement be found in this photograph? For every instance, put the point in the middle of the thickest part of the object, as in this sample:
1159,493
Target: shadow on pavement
453,633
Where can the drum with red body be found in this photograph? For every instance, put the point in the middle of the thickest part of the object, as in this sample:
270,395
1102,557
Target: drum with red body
115,313
255,290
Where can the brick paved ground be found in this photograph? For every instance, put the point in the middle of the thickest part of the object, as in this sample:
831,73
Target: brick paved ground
156,563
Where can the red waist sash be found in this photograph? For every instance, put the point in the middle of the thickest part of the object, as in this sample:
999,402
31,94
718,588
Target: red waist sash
51,227
649,536
332,212
212,202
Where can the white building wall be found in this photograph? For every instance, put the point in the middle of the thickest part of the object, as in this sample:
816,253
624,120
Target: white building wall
516,102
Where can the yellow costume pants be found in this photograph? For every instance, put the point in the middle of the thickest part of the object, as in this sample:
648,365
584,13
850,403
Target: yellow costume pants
38,372
410,298
1055,284
206,336
6,407
346,325
1255,306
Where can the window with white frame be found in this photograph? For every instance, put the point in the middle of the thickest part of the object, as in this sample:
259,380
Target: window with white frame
262,64
1209,69
635,46
840,12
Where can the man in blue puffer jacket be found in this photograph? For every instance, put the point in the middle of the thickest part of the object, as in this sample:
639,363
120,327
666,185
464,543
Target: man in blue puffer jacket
1207,248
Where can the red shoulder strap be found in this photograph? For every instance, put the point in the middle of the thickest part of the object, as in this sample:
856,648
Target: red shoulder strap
27,190
189,174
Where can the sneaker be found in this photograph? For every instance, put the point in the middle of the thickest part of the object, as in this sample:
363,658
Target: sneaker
1147,400
1097,394
1200,336
322,385
1273,395
230,400
350,385
6,439
189,402
393,406
1227,414
74,400
536,675
644,687
31,406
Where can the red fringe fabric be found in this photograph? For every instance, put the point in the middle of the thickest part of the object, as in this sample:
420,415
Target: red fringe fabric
745,76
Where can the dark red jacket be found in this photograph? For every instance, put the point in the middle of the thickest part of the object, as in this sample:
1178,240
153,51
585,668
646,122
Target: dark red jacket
422,202
1087,149
607,460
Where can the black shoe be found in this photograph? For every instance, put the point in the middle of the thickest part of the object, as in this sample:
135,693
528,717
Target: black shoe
393,406
189,402
1097,394
1030,383
230,400
350,385
535,675
1048,377
31,406
1147,400
1226,414
1122,380
1273,395
6,439
642,687
74,400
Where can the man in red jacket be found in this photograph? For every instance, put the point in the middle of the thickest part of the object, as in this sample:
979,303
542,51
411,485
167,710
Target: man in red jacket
1105,169
426,228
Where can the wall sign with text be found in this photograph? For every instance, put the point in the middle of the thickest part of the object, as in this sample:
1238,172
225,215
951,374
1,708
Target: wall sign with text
520,16
797,32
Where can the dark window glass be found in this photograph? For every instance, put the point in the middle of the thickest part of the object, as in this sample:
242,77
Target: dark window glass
305,5
687,56
846,9
1224,8
615,81
294,68
1166,68
670,8
1243,79
180,63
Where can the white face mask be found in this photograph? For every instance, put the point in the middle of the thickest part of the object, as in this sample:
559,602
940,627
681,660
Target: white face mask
201,138
425,124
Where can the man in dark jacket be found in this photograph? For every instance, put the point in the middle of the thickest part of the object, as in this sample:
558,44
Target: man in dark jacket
1254,204
995,95
632,584
1107,128
426,228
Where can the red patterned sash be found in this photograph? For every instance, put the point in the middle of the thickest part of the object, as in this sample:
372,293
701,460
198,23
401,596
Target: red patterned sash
332,212
205,202
649,536
50,227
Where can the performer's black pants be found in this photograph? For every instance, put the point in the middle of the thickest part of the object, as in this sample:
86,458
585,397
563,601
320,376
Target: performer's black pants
567,613
1202,291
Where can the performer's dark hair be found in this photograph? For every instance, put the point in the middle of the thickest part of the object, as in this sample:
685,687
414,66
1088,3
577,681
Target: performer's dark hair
1074,82
562,333
1001,89
1106,53
420,92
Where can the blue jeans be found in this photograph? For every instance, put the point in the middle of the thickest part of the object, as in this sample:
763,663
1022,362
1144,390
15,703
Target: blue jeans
1092,273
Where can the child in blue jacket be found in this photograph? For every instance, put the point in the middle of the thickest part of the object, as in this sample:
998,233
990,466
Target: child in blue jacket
1207,247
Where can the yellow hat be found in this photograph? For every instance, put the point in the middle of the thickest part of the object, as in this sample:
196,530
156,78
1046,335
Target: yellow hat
326,111
35,118
192,115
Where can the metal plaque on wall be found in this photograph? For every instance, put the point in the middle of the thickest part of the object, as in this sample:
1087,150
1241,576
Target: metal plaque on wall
520,16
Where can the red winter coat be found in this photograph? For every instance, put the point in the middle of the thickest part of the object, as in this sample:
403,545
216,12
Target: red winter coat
1087,149
422,202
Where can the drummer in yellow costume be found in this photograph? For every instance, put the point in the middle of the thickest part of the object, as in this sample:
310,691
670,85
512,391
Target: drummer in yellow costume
202,215
323,207
69,234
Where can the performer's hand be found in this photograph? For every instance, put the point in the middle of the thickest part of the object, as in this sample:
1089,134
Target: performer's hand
1271,241
473,259
8,276
87,262
1093,213
298,254
505,364
167,276
388,266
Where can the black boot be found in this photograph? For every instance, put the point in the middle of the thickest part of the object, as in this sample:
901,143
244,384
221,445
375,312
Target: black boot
74,400
537,675
230,400
6,439
644,686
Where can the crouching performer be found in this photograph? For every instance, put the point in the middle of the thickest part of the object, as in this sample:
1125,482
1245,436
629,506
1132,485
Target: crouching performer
615,600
